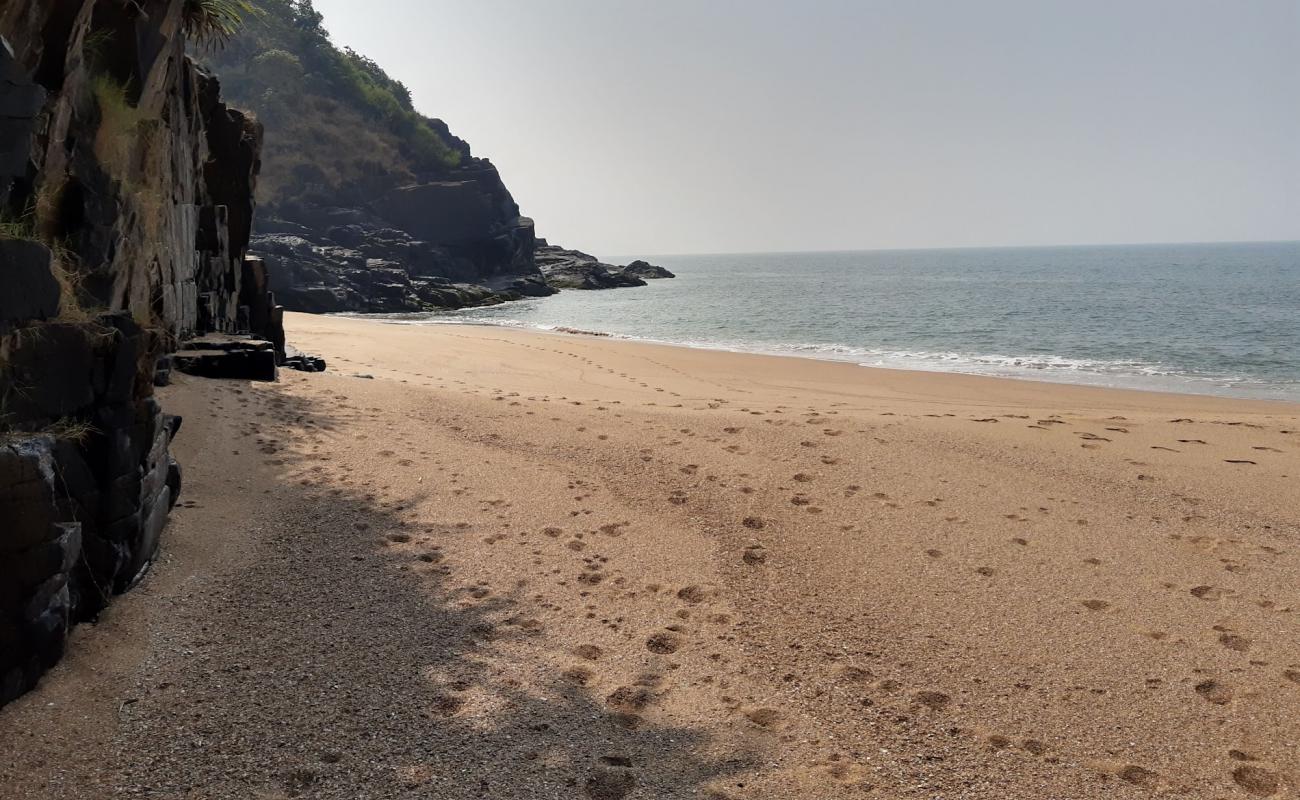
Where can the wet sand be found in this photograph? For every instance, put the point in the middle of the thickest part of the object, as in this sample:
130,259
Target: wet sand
521,565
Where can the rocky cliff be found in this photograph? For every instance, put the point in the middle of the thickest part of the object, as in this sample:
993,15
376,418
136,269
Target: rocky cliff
126,204
368,205
452,242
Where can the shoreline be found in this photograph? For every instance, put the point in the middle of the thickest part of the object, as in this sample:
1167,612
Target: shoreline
563,331
551,567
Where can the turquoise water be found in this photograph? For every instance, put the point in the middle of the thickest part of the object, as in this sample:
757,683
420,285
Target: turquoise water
1210,318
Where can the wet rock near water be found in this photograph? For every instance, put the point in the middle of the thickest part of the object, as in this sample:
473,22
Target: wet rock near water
574,269
647,271
370,269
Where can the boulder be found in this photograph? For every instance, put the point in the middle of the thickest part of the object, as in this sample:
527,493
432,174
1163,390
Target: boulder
228,357
303,362
574,269
27,494
642,269
28,290
51,368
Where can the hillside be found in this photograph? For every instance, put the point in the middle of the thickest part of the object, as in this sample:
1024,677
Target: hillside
339,129
366,204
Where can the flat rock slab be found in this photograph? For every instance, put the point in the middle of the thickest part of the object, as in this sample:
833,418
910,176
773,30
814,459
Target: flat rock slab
249,364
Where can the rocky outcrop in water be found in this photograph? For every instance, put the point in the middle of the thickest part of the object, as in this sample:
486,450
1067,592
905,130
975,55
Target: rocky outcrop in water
574,269
647,271
453,241
366,266
455,247
126,201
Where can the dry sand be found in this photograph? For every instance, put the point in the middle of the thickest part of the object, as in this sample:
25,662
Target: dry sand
519,565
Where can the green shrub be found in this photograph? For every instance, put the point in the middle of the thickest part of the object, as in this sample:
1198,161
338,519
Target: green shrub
213,22
323,105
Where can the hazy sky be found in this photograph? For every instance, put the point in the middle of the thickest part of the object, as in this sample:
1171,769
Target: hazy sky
677,126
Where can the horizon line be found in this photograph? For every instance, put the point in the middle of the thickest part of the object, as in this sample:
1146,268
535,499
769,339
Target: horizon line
953,247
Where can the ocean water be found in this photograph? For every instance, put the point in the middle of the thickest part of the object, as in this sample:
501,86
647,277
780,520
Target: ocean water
1205,318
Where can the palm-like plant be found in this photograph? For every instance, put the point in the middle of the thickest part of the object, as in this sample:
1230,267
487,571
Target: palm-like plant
216,21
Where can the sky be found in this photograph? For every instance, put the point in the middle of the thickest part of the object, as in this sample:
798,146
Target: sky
626,127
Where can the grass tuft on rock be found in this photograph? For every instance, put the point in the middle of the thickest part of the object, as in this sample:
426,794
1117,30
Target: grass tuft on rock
119,126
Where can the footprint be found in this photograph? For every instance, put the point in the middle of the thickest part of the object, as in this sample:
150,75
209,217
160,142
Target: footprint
630,699
696,594
1139,776
851,674
588,651
445,705
610,784
933,700
1234,642
765,717
1214,692
1256,780
663,643
578,675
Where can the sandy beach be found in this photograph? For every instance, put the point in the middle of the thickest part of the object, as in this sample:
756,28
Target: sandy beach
510,564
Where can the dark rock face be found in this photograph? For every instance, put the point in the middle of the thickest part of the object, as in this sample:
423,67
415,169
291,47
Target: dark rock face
363,267
132,187
574,269
642,269
32,292
21,100
84,504
223,356
453,241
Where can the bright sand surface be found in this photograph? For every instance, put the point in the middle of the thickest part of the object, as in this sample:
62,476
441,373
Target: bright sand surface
526,565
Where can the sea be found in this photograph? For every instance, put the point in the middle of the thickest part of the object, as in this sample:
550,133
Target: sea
1218,319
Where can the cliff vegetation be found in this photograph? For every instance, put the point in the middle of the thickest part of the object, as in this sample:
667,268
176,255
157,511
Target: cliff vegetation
340,130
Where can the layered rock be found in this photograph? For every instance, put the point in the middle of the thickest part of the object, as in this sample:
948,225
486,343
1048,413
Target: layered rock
365,266
453,241
126,199
447,244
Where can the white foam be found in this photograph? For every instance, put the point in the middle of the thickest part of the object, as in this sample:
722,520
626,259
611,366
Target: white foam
1045,367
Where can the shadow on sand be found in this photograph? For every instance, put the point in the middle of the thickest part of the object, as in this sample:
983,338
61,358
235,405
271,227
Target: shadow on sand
340,665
